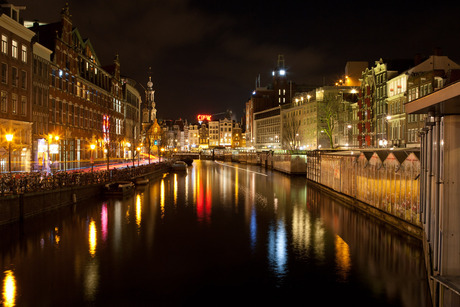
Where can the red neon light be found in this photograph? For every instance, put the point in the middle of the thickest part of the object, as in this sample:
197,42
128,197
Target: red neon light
202,117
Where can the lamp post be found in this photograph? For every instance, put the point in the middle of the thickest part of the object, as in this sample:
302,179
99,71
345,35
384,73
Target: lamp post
92,146
162,150
56,138
383,142
138,155
9,138
108,155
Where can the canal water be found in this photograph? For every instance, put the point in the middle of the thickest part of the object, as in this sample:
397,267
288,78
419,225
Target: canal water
221,234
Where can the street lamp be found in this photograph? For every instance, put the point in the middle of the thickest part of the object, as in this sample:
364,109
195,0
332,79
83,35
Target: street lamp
9,138
56,138
161,152
384,141
92,146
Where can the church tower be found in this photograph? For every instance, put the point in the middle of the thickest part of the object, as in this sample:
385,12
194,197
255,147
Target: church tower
149,112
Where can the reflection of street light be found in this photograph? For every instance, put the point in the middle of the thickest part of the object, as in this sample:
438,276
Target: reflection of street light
92,146
9,138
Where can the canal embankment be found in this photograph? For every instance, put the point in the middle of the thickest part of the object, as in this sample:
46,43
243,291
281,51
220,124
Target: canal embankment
27,195
383,184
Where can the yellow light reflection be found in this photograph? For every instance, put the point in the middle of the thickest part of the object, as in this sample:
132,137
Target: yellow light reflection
175,189
342,256
9,289
92,238
162,198
57,238
138,210
236,188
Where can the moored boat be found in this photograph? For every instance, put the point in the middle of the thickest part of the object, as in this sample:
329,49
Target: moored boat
141,180
179,166
119,188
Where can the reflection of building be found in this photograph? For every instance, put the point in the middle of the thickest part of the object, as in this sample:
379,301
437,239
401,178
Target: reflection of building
15,89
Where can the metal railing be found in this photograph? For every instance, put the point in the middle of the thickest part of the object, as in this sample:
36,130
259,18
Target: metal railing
31,182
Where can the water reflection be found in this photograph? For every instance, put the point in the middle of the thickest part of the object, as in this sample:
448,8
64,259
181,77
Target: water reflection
91,280
92,238
104,220
9,289
138,211
269,233
162,198
277,252
342,256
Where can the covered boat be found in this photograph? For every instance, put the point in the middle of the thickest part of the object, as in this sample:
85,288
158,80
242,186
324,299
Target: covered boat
119,188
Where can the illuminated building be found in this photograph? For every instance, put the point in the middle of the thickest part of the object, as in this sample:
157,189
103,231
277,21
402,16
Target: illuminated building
15,88
40,108
133,100
372,105
81,93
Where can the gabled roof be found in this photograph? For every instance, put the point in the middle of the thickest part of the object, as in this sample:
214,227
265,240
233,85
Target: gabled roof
435,62
46,35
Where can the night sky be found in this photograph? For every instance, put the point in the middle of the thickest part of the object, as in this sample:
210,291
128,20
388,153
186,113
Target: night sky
206,55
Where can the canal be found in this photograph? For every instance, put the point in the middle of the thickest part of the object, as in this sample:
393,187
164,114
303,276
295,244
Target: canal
221,234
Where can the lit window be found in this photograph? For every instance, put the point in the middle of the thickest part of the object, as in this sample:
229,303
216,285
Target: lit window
14,49
4,44
3,101
14,102
24,54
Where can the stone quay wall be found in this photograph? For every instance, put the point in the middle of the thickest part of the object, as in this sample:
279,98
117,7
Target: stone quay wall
17,207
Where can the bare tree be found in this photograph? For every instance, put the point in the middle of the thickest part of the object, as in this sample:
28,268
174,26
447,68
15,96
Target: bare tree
291,130
328,112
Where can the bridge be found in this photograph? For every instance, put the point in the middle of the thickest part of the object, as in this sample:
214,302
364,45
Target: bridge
440,191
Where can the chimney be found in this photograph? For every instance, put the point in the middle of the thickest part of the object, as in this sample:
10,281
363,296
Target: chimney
417,59
437,51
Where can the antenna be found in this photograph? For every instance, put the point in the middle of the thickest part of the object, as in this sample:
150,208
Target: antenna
280,61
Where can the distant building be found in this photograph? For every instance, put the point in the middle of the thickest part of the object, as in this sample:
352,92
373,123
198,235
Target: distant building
425,78
193,137
133,101
372,107
267,126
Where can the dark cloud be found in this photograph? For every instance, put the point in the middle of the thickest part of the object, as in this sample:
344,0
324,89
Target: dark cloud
206,54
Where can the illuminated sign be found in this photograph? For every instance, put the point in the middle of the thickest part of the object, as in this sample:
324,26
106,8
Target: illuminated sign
106,128
204,117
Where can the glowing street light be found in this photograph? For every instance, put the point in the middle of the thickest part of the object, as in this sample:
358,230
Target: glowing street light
92,146
9,138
